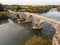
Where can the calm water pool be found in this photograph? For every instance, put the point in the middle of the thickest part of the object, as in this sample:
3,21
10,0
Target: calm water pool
13,34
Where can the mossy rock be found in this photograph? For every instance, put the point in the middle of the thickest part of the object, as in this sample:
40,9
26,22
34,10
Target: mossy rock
37,40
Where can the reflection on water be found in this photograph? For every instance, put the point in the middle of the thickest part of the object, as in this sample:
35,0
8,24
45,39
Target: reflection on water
53,10
53,13
3,21
48,31
13,34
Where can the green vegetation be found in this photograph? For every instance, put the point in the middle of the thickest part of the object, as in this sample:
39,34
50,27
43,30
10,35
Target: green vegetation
38,8
12,8
3,15
37,40
58,8
18,8
30,8
1,8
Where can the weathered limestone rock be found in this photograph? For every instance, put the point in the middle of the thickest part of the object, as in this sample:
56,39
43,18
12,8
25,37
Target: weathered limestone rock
38,22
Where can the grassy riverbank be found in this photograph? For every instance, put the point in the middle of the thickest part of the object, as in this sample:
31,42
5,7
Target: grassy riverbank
29,8
3,15
58,8
40,9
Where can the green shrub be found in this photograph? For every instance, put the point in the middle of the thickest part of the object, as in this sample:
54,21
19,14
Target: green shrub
3,15
58,8
37,40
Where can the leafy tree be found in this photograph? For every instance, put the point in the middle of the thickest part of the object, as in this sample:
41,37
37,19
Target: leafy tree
1,8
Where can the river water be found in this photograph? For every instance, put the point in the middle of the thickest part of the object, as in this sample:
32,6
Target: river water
48,30
14,34
52,13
